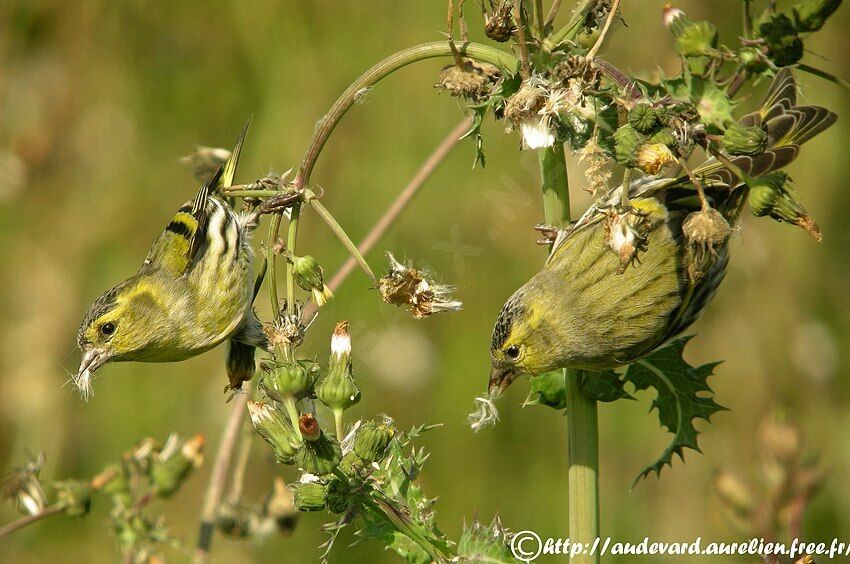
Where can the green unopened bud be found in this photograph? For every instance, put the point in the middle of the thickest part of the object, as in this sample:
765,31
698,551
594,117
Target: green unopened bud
320,456
547,389
372,440
744,140
484,543
310,277
664,137
784,45
275,429
310,496
74,496
773,195
628,140
174,464
338,496
810,15
643,118
352,465
285,379
338,390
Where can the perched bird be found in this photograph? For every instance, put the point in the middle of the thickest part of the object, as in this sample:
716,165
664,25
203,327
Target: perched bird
593,309
193,292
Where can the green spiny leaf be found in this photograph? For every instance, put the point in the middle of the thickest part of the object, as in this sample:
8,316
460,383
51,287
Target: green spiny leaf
604,386
683,395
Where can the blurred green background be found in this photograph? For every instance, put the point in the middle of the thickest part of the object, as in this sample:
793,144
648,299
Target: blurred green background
99,99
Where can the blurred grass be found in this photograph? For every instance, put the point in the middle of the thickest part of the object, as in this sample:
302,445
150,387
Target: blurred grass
99,99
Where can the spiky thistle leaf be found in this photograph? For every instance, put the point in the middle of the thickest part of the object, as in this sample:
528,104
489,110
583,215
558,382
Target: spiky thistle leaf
683,395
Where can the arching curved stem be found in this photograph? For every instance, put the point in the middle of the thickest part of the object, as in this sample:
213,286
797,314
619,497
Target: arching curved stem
347,99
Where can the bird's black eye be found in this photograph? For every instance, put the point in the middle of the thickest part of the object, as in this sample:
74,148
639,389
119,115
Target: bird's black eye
107,328
512,351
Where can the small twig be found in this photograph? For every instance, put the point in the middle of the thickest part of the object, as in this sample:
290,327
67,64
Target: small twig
553,13
611,14
30,519
523,48
748,20
697,184
341,235
450,25
215,488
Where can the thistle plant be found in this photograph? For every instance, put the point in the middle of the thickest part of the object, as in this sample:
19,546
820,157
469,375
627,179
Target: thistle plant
671,163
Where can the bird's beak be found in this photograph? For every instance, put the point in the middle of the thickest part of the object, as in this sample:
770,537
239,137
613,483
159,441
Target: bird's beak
93,358
500,379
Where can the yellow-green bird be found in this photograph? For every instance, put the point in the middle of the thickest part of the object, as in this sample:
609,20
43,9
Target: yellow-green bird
192,292
584,310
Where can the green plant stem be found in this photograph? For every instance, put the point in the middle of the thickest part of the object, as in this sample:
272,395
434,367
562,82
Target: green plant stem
573,27
347,99
271,268
582,415
342,236
555,185
239,192
292,412
291,239
30,519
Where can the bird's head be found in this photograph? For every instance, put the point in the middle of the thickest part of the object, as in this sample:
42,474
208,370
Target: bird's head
114,328
518,345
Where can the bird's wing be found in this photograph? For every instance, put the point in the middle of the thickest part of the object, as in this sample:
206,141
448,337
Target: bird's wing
229,172
177,246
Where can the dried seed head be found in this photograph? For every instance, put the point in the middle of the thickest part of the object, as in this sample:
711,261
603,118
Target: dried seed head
706,231
204,162
652,156
624,236
596,173
526,102
499,24
472,81
408,287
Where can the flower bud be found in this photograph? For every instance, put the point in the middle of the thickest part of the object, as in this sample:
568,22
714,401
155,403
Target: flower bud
74,496
810,15
548,388
784,45
664,137
286,380
652,156
351,464
628,140
338,496
309,496
484,543
320,456
772,195
338,390
744,140
275,429
372,440
119,488
309,427
310,277
174,464
643,118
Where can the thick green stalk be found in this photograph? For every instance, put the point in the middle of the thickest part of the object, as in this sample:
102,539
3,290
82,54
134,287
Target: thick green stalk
583,473
573,27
